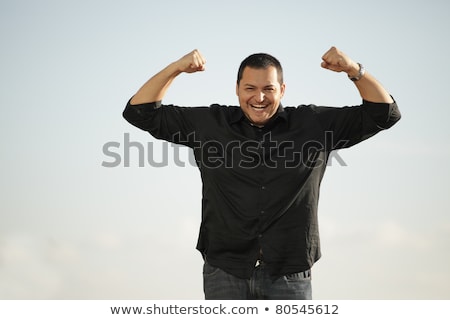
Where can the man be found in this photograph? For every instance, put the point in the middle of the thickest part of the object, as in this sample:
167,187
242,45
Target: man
261,166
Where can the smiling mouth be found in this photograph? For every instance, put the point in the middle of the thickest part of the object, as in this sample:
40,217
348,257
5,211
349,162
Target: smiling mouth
258,107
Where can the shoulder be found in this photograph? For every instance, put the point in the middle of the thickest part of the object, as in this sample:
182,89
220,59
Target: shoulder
213,113
215,107
225,113
303,110
319,111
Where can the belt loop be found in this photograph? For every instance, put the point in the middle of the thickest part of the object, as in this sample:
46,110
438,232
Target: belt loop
307,273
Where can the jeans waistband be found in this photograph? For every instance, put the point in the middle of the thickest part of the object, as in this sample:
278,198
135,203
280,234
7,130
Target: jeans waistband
302,274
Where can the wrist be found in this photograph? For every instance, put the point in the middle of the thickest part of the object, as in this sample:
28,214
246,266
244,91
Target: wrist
357,72
174,69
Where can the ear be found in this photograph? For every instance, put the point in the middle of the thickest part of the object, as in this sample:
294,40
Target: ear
282,89
237,89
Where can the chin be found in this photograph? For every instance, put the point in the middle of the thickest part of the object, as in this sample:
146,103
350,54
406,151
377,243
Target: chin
259,122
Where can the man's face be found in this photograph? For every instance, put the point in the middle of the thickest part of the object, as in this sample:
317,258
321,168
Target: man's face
260,94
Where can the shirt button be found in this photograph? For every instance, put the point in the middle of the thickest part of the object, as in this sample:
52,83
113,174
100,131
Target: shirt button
262,212
260,236
263,188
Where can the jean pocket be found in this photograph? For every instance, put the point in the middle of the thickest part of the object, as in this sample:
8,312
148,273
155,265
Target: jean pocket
209,270
303,275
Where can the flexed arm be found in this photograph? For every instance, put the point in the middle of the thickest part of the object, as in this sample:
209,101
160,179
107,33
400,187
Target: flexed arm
155,88
369,88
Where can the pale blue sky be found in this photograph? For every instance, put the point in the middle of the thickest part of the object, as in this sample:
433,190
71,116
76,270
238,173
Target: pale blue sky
72,229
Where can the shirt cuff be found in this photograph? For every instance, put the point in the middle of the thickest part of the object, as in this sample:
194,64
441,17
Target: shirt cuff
146,106
384,114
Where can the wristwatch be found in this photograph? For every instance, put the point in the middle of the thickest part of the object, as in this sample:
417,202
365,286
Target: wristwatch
361,73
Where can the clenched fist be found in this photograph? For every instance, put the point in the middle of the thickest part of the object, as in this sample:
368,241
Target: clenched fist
192,62
337,61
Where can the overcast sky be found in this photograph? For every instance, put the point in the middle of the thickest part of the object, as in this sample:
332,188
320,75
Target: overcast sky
74,227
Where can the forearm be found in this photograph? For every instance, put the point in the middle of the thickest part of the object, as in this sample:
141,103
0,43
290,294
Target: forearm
371,89
156,87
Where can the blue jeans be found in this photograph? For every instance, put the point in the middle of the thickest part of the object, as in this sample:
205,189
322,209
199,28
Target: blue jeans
219,285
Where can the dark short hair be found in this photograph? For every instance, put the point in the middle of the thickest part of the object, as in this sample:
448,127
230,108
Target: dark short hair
260,61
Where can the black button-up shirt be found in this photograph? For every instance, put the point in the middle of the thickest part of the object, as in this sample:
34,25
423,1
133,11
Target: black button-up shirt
261,185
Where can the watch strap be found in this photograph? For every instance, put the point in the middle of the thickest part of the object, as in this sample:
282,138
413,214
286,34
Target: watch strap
361,73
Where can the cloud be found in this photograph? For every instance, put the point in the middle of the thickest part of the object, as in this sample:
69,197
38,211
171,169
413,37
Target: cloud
392,234
102,264
386,258
24,272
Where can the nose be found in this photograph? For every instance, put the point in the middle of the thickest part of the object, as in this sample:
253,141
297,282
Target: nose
259,96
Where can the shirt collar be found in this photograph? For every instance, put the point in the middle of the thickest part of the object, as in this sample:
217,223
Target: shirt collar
239,115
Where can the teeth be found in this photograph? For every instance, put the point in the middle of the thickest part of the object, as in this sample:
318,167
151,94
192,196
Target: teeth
258,107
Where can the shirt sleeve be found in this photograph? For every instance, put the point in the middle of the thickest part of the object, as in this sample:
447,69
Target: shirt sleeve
351,125
166,122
